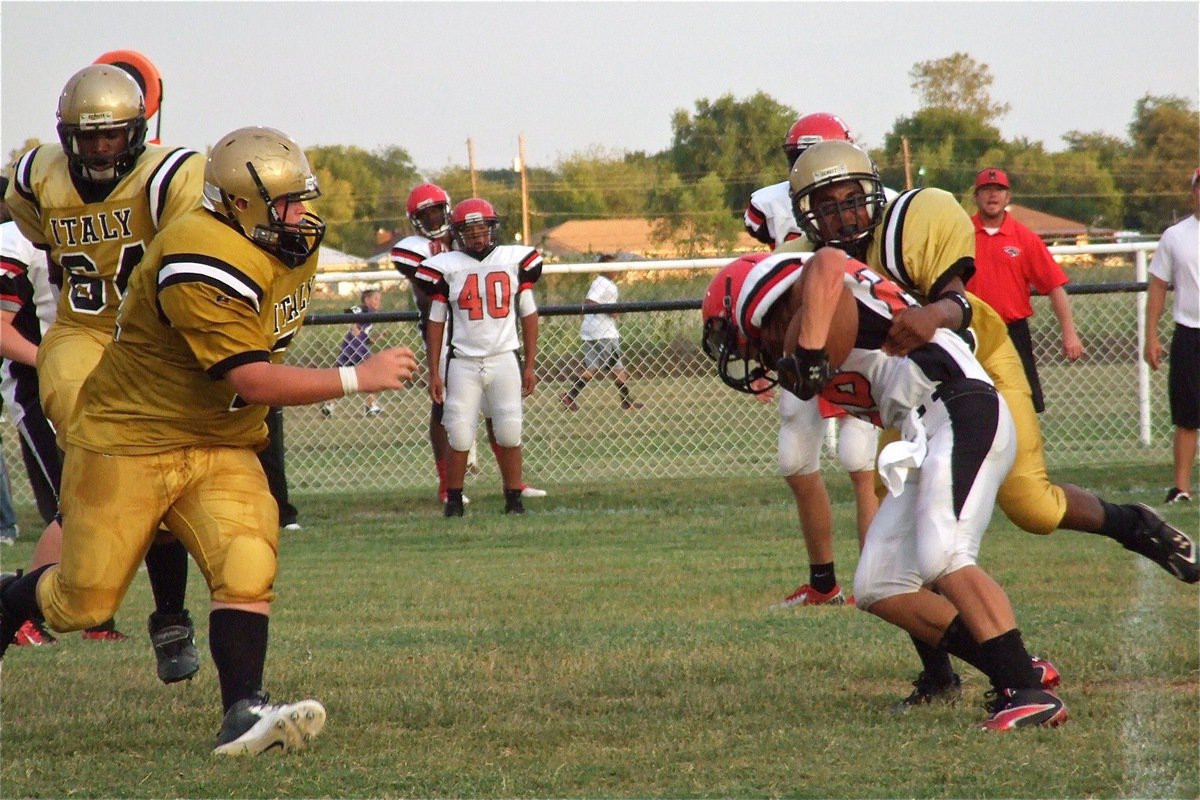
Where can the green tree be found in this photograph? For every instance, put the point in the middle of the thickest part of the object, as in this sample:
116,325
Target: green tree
594,183
737,141
378,187
1070,184
1164,137
946,143
959,83
693,216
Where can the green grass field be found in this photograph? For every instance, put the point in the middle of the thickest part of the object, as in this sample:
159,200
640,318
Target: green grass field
617,642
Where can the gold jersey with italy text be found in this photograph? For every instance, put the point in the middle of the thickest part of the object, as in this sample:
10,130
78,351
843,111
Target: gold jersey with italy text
204,301
925,240
97,237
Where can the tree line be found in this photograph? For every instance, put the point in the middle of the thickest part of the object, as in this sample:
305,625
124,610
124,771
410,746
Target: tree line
694,192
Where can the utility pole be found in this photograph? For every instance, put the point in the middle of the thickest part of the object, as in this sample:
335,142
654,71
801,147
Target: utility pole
524,191
907,163
471,167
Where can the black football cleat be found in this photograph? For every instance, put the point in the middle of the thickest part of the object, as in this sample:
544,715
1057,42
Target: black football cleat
1164,544
174,640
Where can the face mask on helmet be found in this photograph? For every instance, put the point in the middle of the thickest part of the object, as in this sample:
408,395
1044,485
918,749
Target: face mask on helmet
475,227
723,340
101,123
252,179
429,211
837,197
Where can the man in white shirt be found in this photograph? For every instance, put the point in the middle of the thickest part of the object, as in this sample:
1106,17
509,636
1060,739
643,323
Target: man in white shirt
601,342
1175,263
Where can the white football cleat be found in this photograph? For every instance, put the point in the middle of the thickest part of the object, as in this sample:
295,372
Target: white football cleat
529,491
254,726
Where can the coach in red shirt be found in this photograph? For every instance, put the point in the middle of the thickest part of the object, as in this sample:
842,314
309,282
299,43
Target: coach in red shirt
1010,262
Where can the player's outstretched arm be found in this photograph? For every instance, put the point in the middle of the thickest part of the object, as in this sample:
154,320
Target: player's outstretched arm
263,383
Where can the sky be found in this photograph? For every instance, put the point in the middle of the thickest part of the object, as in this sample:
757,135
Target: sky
576,76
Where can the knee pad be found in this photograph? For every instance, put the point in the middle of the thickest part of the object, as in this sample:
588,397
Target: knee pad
460,434
507,430
73,608
801,436
247,572
857,441
1032,502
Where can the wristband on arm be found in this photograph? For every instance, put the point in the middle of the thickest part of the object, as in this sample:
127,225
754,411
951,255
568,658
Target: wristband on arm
964,304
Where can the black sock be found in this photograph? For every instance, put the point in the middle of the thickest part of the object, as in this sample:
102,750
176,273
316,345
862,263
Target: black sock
238,643
935,662
577,388
20,596
822,577
167,569
624,390
1010,662
958,642
454,495
1119,522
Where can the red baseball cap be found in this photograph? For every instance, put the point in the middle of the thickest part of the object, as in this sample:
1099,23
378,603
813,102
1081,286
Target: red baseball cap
991,176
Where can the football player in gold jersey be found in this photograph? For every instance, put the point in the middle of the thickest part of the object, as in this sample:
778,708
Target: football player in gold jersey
925,242
175,411
94,204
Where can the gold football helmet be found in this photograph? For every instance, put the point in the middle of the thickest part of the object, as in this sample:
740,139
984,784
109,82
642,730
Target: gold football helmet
825,164
248,172
102,97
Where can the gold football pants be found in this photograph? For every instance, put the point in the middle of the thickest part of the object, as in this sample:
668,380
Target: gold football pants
214,499
66,356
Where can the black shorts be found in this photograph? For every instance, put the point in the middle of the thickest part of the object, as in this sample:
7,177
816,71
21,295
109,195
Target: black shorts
1018,331
1184,379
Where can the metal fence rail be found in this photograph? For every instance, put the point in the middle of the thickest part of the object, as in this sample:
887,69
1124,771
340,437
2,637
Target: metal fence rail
1106,409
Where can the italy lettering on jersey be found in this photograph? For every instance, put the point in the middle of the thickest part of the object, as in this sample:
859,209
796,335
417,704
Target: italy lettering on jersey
27,293
883,389
481,296
97,244
769,217
205,301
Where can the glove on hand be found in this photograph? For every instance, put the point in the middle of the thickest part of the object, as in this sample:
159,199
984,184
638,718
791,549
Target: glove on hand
805,372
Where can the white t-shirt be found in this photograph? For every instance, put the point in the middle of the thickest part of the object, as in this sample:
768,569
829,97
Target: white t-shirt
600,326
1176,262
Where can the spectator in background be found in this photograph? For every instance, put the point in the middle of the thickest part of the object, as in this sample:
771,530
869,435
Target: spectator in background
1009,260
8,516
356,346
1176,264
601,342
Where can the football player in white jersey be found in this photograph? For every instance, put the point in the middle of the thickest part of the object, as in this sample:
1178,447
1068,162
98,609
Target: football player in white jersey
822,326
481,294
429,212
769,219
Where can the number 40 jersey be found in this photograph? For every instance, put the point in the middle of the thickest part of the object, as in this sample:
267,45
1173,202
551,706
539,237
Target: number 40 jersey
482,296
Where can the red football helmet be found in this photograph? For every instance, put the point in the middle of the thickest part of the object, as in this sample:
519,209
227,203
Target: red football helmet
429,211
810,129
724,341
468,215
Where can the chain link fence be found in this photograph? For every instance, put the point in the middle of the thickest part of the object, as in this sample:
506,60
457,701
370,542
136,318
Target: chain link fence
1104,409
